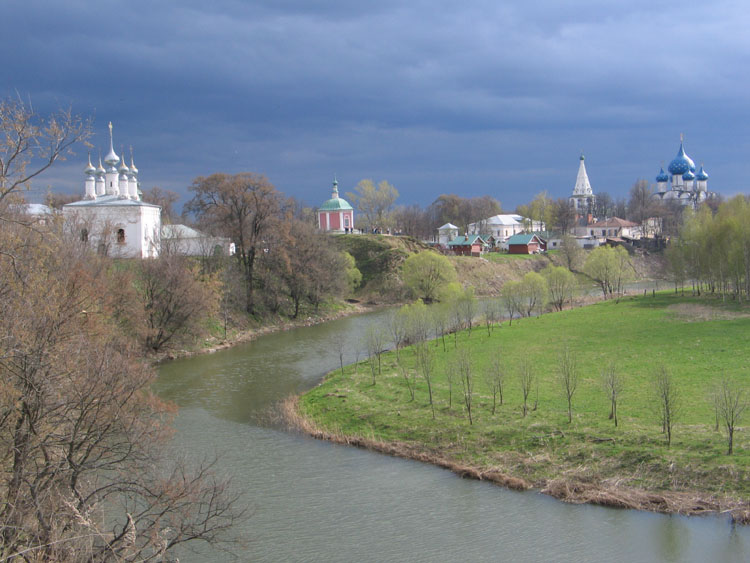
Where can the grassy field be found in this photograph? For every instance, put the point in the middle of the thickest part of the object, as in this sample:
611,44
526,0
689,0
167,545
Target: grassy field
697,340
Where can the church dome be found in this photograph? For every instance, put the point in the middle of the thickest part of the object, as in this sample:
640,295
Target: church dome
100,169
89,170
123,167
335,203
682,163
688,176
133,169
702,175
663,176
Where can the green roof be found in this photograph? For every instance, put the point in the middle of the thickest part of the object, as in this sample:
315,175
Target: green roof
521,239
463,240
335,204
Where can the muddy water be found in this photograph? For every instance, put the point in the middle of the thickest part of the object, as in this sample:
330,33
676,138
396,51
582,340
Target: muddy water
314,501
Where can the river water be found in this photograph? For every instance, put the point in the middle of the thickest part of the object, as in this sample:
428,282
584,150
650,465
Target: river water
315,501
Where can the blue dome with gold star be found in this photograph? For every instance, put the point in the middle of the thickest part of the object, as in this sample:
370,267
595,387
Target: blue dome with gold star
663,176
682,163
702,175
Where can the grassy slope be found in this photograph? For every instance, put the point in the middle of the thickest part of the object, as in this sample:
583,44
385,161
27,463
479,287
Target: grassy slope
638,334
379,258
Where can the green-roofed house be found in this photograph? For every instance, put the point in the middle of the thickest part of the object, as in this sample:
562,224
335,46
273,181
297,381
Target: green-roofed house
336,214
526,244
468,245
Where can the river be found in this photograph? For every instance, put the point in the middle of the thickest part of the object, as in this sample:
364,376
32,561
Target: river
315,501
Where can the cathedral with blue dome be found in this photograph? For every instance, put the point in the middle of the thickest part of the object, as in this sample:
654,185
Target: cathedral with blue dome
681,183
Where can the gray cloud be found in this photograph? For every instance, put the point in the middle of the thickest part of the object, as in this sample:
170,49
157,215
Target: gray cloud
484,97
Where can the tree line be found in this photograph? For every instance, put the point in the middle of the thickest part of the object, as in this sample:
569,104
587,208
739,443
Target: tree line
712,250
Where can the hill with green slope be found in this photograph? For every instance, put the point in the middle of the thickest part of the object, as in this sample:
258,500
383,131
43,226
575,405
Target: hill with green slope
697,340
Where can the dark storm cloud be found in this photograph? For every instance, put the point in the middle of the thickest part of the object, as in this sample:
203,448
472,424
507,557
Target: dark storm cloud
484,97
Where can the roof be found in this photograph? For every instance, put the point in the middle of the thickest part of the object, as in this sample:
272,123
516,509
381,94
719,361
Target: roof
335,204
447,226
109,201
180,231
466,240
522,239
511,219
613,222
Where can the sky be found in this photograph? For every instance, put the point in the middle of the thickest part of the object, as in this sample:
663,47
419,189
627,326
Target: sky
474,97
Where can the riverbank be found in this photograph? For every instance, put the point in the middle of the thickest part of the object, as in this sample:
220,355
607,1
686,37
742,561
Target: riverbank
586,460
572,491
235,337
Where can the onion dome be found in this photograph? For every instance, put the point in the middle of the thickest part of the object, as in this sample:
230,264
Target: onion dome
100,169
663,176
89,170
335,203
702,175
687,176
133,169
123,169
682,163
111,157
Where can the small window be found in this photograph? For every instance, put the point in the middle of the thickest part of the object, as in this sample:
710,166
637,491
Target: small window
84,235
346,221
120,236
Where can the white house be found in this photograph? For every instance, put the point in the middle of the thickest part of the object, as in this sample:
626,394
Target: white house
111,216
502,227
447,233
182,239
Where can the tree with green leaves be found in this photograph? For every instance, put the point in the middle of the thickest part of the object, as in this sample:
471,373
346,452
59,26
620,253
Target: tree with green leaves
533,293
426,273
610,267
560,284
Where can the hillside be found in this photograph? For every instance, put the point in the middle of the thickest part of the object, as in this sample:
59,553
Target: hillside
379,258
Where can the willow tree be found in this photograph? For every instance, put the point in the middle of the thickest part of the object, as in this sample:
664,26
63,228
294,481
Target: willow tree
427,272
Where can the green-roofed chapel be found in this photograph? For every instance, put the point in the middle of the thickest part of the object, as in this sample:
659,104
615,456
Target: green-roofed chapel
336,214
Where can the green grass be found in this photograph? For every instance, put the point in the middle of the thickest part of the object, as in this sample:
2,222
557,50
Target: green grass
697,339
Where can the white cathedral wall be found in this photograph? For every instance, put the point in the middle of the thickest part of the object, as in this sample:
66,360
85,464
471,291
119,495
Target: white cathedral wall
140,224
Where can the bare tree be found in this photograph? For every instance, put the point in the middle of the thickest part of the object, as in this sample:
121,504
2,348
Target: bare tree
668,401
32,143
164,199
494,378
175,302
731,402
526,379
466,375
426,366
86,474
491,314
397,327
612,382
567,374
374,349
410,377
244,207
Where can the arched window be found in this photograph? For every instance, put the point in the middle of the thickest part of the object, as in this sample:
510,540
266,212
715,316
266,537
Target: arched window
120,236
84,235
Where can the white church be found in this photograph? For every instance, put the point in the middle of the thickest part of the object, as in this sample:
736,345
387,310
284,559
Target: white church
682,183
111,216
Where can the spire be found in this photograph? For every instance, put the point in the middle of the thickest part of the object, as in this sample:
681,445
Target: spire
582,187
335,192
133,169
111,157
89,167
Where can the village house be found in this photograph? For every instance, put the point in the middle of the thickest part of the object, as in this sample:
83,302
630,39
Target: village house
610,228
526,244
468,245
502,227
